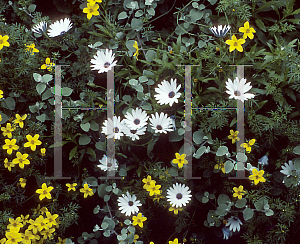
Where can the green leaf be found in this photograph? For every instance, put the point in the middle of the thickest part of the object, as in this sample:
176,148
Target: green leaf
137,24
151,11
47,94
46,78
200,152
104,225
40,87
123,15
122,172
204,199
72,152
241,157
41,117
195,15
94,126
296,150
85,126
222,150
138,13
269,212
223,199
101,190
66,91
297,163
173,172
240,203
91,152
198,136
106,198
247,213
150,55
181,131
31,8
37,77
173,136
9,103
84,139
151,144
212,2
222,209
228,166
260,24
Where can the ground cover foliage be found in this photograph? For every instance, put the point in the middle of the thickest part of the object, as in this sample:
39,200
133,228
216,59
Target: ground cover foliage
151,40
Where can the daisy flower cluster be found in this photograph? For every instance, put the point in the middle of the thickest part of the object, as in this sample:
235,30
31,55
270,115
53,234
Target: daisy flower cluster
134,124
26,230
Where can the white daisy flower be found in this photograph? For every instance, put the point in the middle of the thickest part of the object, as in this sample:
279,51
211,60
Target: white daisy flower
226,233
161,123
115,127
234,223
167,92
238,88
179,195
136,119
60,27
220,31
128,204
107,164
134,134
40,28
103,61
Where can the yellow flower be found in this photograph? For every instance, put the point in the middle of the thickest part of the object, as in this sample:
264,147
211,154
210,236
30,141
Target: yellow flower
135,45
13,237
32,141
44,191
235,44
23,184
34,225
24,219
43,151
44,210
10,145
248,32
7,131
138,220
248,145
239,192
148,182
136,237
31,48
8,165
221,167
174,242
3,41
15,224
91,10
1,92
151,242
47,65
180,160
86,190
27,237
21,159
61,241
175,209
157,197
71,186
233,136
51,219
47,233
3,240
257,176
19,120
153,189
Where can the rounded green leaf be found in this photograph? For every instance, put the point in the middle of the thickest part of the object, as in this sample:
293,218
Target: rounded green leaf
37,77
106,198
222,150
41,117
104,225
40,87
248,213
84,140
173,172
138,13
66,91
296,150
101,190
228,166
46,78
205,199
198,136
240,203
122,15
222,209
242,157
150,54
223,199
85,126
137,24
200,152
9,103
